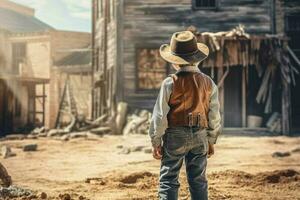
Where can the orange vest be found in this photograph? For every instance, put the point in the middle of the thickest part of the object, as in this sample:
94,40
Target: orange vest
189,101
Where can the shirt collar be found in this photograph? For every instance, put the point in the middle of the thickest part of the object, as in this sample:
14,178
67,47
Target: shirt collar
188,69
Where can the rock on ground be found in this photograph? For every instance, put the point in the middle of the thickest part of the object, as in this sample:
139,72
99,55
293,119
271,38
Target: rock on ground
30,147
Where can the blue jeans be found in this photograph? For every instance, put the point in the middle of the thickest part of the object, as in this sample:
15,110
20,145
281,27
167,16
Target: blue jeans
191,145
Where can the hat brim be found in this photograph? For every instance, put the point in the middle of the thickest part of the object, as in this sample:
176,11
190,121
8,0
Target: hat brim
198,56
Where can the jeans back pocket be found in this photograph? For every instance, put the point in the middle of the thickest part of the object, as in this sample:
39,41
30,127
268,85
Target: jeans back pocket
176,142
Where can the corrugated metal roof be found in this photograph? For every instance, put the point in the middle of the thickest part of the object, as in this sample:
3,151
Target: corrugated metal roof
76,58
17,22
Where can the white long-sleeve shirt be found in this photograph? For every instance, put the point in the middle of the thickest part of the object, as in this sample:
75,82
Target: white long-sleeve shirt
159,121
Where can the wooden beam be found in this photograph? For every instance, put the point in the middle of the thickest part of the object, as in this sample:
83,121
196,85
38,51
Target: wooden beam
244,97
221,80
273,16
293,55
44,98
285,107
40,96
94,11
120,51
221,92
105,58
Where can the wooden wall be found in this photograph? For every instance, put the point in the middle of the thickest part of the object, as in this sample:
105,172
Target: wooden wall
81,89
5,53
283,9
104,57
150,23
42,50
65,40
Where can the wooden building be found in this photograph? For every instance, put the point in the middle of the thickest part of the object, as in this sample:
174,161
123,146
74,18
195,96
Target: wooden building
287,21
74,70
28,49
128,33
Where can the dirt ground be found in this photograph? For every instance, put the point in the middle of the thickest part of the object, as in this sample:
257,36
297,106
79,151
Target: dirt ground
117,167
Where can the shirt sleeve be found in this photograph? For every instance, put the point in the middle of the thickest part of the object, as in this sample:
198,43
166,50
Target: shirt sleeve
214,117
159,121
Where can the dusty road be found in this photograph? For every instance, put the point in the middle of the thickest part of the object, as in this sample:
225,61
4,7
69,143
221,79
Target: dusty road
118,168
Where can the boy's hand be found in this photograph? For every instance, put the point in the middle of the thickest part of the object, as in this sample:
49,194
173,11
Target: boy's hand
211,150
156,152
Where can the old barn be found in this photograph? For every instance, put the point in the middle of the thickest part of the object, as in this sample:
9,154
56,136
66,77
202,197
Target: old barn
253,55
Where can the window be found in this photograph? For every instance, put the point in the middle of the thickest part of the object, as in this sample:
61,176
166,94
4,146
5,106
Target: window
151,69
204,4
18,56
292,28
293,23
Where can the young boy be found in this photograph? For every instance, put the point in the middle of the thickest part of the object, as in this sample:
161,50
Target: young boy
186,119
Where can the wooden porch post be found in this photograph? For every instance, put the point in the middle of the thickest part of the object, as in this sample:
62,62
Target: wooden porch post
119,51
285,107
94,18
44,98
244,97
221,93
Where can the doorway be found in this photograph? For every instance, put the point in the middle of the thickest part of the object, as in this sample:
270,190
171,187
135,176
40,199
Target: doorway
292,28
233,98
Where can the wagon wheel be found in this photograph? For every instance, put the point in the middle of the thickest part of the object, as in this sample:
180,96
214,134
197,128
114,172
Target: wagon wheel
5,179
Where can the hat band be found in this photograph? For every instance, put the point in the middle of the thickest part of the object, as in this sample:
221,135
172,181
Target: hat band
184,54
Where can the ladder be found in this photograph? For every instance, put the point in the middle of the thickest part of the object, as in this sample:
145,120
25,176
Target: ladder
67,103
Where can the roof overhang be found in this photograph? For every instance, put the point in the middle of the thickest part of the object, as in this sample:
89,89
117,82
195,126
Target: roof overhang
75,69
25,79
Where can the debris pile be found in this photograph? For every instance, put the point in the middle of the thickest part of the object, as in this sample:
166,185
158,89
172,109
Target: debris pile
123,122
129,149
274,123
137,123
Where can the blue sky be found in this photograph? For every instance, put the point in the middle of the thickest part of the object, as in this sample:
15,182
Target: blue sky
72,15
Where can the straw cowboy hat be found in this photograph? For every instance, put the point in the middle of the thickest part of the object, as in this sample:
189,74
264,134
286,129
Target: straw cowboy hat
184,49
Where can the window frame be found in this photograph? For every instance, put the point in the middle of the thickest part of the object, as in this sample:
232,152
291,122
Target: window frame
287,24
292,32
17,48
138,89
216,7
